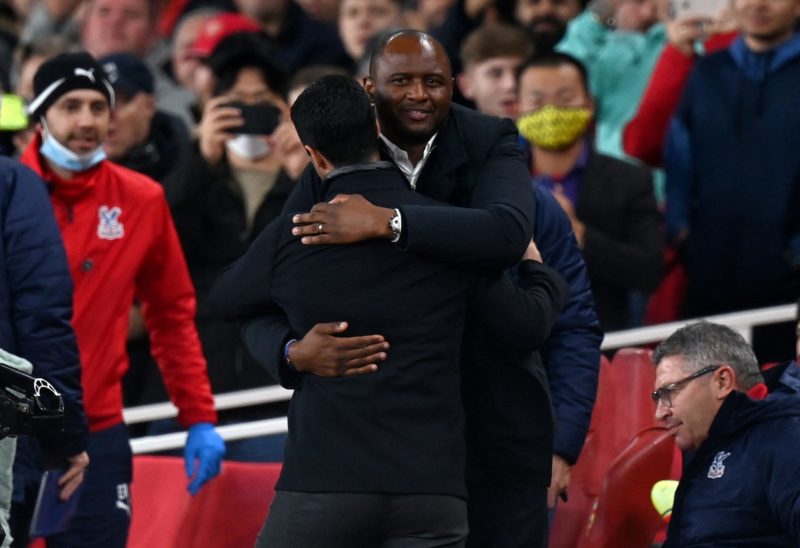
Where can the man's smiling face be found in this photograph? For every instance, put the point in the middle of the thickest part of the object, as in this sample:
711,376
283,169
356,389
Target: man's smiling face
412,87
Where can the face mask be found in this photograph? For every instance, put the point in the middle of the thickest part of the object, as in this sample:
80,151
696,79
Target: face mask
64,157
249,147
553,128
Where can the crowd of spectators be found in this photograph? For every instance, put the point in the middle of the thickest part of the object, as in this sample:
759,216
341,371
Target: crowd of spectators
617,91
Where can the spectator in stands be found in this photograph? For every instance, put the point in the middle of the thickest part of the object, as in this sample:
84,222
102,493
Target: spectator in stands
236,183
324,11
141,137
120,242
609,202
182,64
360,20
211,34
644,135
547,20
427,15
307,76
411,494
724,212
299,40
36,292
131,26
709,394
571,354
619,43
490,57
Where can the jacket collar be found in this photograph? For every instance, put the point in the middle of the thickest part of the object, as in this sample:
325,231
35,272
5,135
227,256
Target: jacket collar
450,144
68,190
757,66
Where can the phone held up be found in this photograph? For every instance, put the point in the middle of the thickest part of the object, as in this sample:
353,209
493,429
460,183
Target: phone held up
259,119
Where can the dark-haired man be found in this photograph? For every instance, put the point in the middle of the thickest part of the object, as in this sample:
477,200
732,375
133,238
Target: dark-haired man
547,20
609,202
467,159
361,467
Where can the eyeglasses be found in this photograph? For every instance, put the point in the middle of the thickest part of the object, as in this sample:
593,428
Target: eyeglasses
664,394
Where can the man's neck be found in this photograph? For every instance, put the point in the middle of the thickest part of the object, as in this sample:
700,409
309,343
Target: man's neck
415,151
556,162
59,171
761,45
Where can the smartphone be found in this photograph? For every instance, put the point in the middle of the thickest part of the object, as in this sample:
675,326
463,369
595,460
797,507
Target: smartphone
259,119
697,8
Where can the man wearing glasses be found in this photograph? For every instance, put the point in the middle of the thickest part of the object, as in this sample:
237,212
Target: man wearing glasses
741,477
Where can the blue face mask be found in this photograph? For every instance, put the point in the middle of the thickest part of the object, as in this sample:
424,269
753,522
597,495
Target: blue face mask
67,159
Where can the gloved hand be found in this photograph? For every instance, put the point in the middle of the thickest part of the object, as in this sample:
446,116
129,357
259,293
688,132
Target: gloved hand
205,445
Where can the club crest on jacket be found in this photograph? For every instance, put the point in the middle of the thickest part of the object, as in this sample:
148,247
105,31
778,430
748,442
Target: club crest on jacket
717,469
109,227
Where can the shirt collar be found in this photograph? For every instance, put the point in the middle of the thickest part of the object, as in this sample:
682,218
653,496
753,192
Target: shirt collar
403,162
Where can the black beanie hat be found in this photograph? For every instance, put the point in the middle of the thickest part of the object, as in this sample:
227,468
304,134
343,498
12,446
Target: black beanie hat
64,73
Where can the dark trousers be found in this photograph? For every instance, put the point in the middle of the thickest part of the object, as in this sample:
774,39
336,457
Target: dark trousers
347,520
104,510
504,515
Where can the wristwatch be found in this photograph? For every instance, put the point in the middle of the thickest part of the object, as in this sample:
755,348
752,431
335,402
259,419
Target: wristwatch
396,226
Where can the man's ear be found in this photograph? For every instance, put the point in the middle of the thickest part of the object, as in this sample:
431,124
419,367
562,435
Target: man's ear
321,164
464,85
150,104
369,86
723,381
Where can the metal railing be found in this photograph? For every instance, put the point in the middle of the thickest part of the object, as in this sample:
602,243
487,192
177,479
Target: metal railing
743,322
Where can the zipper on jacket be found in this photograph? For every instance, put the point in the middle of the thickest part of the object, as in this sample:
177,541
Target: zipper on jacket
70,214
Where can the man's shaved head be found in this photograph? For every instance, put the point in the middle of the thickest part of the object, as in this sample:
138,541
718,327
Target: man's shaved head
405,41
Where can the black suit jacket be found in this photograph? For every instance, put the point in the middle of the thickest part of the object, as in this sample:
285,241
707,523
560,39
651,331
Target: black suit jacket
398,430
623,242
476,164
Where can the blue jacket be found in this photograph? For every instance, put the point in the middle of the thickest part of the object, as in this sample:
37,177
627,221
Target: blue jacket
742,487
572,352
733,177
36,296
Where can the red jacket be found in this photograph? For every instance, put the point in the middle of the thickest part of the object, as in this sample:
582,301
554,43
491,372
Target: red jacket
121,243
643,137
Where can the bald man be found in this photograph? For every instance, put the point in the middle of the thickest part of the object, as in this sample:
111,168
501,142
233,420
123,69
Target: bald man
467,159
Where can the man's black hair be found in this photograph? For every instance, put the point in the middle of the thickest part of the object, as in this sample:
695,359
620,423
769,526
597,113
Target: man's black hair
334,116
245,50
554,59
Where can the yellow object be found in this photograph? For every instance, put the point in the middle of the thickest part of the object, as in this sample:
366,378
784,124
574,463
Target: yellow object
663,496
554,128
12,113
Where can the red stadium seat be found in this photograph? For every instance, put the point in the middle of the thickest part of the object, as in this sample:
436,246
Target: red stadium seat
623,514
228,511
623,408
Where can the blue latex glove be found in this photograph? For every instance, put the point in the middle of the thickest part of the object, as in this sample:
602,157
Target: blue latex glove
206,446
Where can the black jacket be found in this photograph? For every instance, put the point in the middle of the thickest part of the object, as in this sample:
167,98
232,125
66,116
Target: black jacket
163,156
624,241
398,430
476,165
210,219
